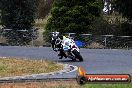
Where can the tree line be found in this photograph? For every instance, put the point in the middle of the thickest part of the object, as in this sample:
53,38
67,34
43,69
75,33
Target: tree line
79,16
87,16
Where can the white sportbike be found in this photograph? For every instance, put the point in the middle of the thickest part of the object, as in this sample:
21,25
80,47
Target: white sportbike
71,50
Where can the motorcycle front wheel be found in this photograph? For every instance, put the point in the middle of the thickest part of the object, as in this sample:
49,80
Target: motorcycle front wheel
77,55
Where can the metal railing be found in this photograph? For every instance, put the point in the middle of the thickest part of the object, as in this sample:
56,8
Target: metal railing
33,36
100,41
105,41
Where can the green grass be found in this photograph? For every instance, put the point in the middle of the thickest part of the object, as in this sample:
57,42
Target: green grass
129,85
49,84
17,67
61,84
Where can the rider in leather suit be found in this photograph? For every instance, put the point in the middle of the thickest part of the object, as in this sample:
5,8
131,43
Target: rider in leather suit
56,43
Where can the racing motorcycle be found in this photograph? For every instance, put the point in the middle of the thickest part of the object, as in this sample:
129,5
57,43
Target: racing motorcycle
71,50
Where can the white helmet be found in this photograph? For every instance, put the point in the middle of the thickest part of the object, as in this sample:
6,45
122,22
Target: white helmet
55,34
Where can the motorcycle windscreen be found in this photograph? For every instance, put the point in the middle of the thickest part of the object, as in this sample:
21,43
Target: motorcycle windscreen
65,48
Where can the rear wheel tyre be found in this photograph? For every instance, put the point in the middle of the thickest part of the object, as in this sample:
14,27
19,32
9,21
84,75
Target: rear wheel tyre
77,55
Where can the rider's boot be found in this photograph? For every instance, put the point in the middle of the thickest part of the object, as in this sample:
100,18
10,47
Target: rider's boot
60,57
59,54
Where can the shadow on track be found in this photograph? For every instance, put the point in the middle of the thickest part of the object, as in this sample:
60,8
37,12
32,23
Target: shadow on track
63,61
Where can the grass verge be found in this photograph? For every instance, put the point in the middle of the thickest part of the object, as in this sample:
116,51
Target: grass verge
18,67
61,84
52,84
129,85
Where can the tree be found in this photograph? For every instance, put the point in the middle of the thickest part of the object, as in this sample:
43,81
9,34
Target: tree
43,8
124,7
18,15
74,15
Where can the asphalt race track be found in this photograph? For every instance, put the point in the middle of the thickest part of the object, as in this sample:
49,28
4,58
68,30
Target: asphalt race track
96,61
